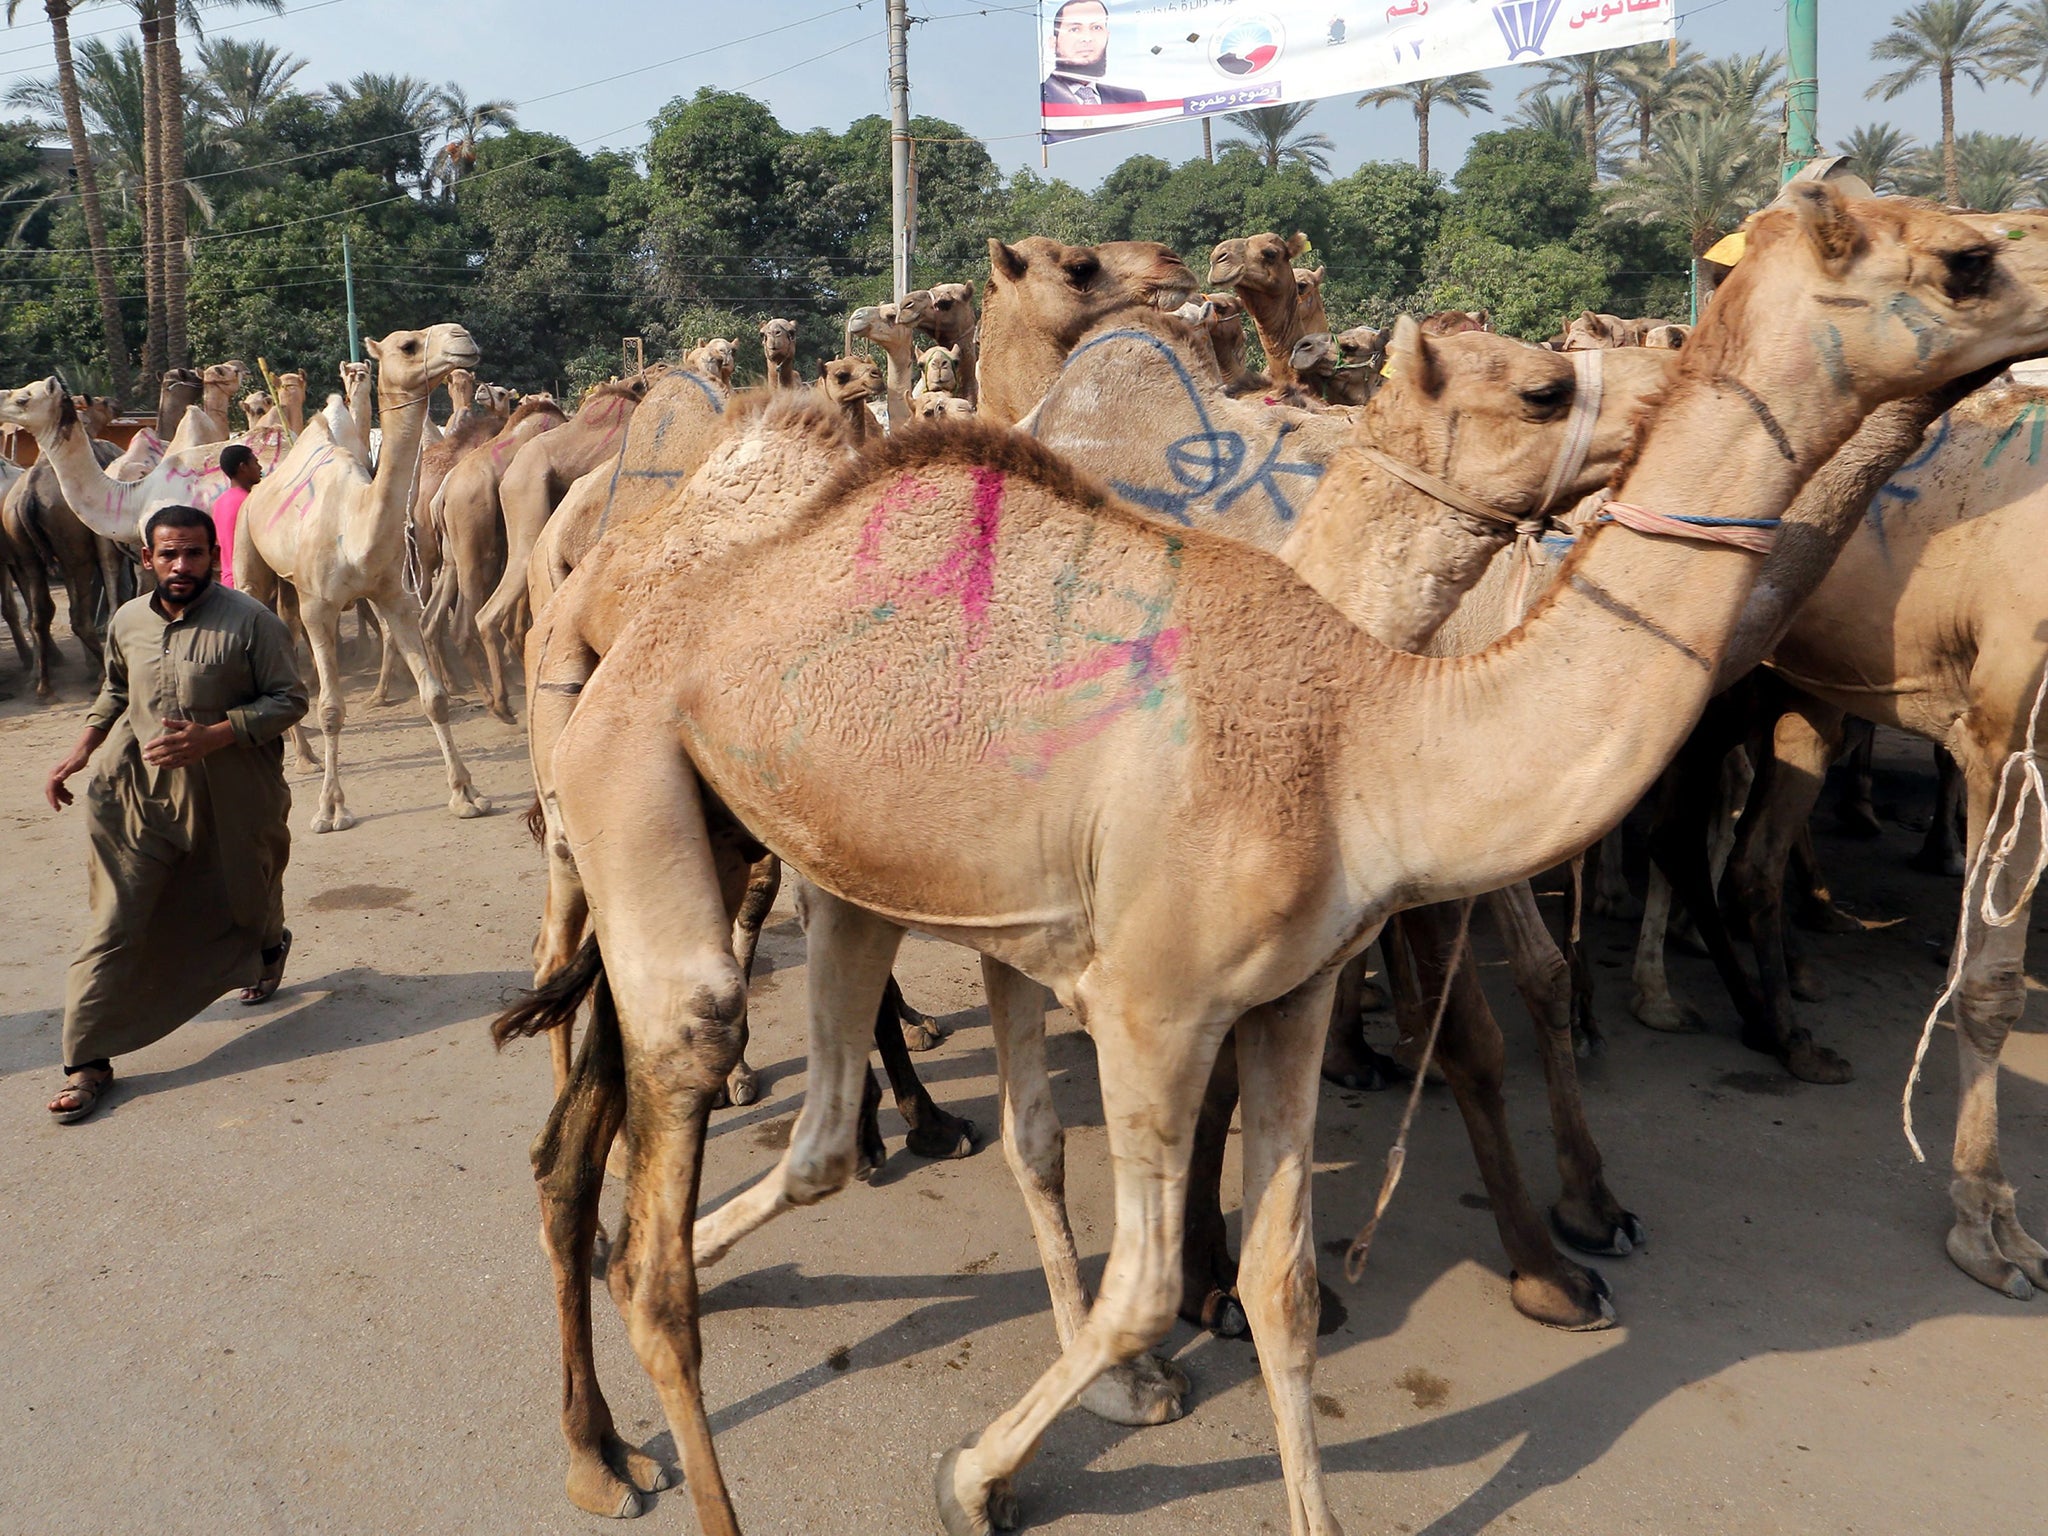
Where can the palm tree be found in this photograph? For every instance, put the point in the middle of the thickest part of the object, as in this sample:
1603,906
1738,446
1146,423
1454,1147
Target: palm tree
2027,40
119,367
1995,171
1706,176
1943,39
1879,152
1654,82
466,123
1590,77
406,98
243,80
1741,85
1461,93
1269,133
1563,117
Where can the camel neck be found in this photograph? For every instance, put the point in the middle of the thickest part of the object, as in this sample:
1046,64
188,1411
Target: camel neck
390,490
99,500
1274,317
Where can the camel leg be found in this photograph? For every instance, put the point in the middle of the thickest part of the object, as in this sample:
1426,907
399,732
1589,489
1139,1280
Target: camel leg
1348,1061
921,1031
323,635
1610,879
42,613
823,1150
1586,1215
1279,1050
933,1132
387,664
1208,1274
404,630
1545,1286
1987,1241
13,613
495,625
1941,851
665,931
764,881
1147,1390
1153,1070
1854,813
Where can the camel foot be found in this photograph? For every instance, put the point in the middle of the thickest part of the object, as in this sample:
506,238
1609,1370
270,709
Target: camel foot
1147,1390
1349,1062
1612,1233
1989,1245
1575,1300
381,700
1803,1057
467,804
1217,1312
503,712
742,1087
873,1150
338,821
969,1504
611,1484
1663,1012
1857,818
944,1137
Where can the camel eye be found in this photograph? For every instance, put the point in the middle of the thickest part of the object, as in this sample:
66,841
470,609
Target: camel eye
1969,272
1548,399
1082,270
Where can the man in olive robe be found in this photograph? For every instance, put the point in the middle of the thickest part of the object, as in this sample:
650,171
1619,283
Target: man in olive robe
186,812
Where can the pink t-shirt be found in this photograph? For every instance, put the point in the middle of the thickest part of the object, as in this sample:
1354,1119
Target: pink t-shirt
226,508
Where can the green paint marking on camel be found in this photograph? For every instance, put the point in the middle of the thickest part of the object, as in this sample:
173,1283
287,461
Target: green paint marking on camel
2034,415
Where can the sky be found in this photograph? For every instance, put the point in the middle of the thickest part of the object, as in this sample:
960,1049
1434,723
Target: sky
595,73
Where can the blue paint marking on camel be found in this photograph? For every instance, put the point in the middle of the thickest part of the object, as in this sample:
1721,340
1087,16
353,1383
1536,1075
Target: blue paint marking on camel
619,471
1208,463
1906,495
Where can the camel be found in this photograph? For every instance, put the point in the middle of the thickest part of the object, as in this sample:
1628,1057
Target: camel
1590,331
1308,300
1669,337
1317,362
115,509
882,325
288,412
43,533
938,372
942,407
337,534
461,387
778,353
715,358
255,406
1261,270
847,384
1056,666
177,392
469,533
1043,297
207,421
945,312
538,476
1363,345
1222,323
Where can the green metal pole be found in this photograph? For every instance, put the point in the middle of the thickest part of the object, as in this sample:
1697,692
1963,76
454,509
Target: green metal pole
1802,99
348,282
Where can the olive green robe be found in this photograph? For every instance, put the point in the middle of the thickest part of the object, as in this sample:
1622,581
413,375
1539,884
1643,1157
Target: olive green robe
186,864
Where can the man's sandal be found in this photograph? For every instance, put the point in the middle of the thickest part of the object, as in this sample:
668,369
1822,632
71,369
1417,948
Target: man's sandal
273,973
85,1090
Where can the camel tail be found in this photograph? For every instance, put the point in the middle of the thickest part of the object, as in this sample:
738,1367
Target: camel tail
536,823
553,1003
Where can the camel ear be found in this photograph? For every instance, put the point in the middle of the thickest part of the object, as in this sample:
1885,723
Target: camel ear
1318,274
1411,358
1824,217
374,348
1297,245
1006,261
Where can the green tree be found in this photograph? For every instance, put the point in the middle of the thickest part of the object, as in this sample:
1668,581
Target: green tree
1124,190
1704,179
1939,40
1382,219
1879,152
1563,117
466,122
1653,81
1527,289
1522,187
1994,171
392,116
1592,79
1463,94
241,79
1273,134
2027,41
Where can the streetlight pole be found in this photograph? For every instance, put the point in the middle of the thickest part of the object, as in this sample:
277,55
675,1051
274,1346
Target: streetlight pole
1802,95
348,283
899,143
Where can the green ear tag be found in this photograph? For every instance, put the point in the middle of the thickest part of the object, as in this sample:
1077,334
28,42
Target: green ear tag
2015,234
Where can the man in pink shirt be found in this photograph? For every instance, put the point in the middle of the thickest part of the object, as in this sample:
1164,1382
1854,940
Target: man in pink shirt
239,464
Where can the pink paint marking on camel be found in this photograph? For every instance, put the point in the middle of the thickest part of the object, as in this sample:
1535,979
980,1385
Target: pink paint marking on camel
1147,662
298,496
968,570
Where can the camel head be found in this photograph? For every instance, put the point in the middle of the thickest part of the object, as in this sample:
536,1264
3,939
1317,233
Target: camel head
179,388
355,378
254,404
1315,355
219,383
1593,332
849,380
291,390
944,311
939,368
715,358
778,344
461,390
1456,322
43,407
1874,299
1308,298
883,325
1261,263
95,412
1666,338
410,364
943,407
1363,345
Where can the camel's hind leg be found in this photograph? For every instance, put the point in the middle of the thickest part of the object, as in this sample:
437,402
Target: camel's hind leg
1987,1240
764,882
1147,1390
1586,1215
1154,1068
12,612
404,630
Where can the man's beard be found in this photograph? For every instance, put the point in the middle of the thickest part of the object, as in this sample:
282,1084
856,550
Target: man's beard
1093,71
186,599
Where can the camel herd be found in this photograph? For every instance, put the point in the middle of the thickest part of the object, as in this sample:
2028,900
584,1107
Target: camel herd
1168,686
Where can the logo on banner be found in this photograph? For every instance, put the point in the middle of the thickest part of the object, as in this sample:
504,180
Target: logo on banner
1248,46
1525,24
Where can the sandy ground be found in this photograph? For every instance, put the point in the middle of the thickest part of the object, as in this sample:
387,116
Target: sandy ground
289,1279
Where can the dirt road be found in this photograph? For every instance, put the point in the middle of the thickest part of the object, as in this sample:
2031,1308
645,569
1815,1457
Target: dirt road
289,1279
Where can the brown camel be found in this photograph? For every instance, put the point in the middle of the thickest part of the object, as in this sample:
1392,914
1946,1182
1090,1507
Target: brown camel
470,533
44,533
1318,361
1222,323
938,372
778,354
1319,767
1261,270
847,384
942,407
1308,299
714,358
255,406
539,475
882,325
945,312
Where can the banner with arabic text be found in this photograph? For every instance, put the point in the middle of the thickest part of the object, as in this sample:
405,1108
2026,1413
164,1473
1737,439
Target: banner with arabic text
1107,64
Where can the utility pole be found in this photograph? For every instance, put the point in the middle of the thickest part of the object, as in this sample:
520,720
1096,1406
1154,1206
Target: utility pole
1802,96
348,283
1208,143
899,142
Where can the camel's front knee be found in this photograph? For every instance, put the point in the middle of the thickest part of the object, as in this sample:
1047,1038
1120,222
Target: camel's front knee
688,1031
1989,1003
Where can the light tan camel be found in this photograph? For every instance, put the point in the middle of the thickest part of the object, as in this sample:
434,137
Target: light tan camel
778,354
1220,318
942,408
880,324
1308,300
255,406
355,394
1261,270
1043,297
207,421
337,534
848,384
938,372
291,402
114,509
1318,362
43,534
715,358
1053,666
945,312
538,477
470,533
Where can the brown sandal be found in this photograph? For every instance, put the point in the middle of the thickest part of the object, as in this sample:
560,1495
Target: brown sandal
273,973
85,1088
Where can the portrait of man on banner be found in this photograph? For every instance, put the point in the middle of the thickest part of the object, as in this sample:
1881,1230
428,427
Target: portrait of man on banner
1080,59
